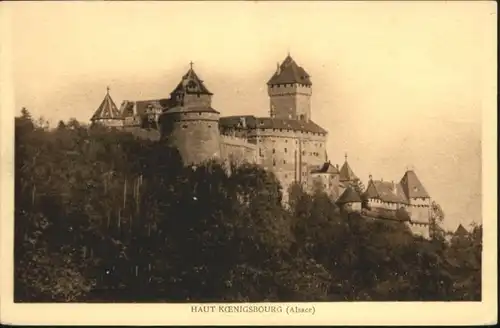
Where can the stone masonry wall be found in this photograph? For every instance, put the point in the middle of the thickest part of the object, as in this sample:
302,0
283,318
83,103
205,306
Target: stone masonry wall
151,134
290,100
194,134
289,154
110,123
419,229
329,183
238,150
419,210
197,100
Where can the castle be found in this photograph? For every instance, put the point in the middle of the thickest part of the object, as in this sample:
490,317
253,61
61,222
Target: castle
288,142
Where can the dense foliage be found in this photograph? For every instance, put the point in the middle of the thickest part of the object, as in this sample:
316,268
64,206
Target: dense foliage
103,216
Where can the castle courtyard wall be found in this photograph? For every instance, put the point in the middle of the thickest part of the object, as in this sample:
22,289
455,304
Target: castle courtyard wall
238,150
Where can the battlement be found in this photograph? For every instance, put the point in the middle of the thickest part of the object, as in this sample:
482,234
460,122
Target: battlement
288,89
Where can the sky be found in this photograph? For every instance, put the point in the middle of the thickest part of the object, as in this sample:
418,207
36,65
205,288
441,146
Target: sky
396,84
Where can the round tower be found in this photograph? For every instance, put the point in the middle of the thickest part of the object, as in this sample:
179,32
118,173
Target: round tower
190,124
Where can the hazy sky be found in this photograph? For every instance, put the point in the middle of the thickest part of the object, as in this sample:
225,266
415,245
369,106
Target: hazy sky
394,83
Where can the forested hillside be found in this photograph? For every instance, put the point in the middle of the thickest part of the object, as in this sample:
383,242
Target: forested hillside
103,216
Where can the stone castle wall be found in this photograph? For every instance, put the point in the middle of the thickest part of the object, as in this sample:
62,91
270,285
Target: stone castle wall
195,134
151,134
290,101
327,182
377,203
418,229
198,100
419,210
238,150
112,123
288,153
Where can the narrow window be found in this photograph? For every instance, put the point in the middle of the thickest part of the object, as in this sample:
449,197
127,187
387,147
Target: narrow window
274,151
274,162
285,150
284,162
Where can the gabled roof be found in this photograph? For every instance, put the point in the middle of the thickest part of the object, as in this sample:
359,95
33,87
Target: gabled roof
461,231
349,196
386,191
107,109
412,186
191,84
325,168
140,107
346,173
252,122
289,73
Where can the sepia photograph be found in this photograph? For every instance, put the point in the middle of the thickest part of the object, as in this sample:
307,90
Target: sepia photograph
236,157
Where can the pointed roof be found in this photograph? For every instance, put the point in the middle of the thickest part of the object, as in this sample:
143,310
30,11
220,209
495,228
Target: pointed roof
386,191
289,72
191,84
346,173
349,196
107,109
412,186
461,231
325,168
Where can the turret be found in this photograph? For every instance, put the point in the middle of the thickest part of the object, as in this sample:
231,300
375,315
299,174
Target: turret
290,90
346,173
190,124
107,114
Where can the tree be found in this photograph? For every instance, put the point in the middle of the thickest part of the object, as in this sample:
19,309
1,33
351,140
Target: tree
104,216
61,125
436,220
73,123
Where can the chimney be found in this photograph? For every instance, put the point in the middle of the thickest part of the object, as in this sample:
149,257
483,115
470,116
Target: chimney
278,69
